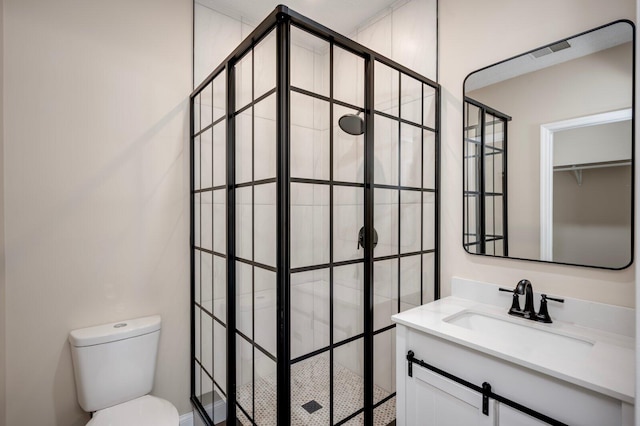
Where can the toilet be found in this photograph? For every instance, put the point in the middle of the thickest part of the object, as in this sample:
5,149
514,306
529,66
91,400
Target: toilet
114,366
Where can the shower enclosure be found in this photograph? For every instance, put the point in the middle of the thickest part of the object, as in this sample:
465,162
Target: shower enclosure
308,231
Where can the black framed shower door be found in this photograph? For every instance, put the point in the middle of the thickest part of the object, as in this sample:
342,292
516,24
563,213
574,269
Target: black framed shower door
305,238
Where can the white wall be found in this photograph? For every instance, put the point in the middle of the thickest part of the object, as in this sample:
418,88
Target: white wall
592,221
477,34
96,189
2,268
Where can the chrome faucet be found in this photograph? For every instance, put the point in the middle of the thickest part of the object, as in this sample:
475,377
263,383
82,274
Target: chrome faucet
529,312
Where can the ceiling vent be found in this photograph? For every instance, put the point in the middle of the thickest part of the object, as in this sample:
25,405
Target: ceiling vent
550,49
560,46
541,52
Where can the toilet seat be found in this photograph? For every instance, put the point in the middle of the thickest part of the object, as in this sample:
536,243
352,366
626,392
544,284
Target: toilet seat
144,411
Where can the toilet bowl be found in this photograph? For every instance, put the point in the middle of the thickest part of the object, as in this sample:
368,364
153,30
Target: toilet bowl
144,411
114,367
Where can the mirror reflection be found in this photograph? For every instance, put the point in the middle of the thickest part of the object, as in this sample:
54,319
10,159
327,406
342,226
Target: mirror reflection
548,143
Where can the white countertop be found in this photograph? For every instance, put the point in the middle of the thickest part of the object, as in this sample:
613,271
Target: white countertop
607,367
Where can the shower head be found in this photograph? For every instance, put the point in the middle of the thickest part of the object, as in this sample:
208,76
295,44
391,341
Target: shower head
352,124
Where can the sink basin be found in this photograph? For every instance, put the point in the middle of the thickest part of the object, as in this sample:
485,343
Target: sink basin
529,339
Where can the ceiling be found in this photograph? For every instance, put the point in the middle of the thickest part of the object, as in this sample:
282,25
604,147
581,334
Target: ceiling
582,45
342,16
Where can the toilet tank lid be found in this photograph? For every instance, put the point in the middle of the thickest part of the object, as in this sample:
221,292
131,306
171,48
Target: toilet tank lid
114,331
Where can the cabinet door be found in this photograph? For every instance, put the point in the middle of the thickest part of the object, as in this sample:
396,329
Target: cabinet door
433,400
508,416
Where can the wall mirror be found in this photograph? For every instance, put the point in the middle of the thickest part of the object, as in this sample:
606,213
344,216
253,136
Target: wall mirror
548,152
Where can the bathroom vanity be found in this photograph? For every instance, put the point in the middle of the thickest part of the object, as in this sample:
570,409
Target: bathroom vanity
464,360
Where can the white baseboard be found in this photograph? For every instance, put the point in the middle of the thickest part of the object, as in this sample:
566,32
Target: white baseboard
218,409
186,419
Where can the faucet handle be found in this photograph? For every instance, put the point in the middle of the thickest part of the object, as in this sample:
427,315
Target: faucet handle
515,302
555,299
543,314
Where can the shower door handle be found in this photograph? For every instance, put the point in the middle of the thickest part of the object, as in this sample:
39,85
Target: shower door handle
361,238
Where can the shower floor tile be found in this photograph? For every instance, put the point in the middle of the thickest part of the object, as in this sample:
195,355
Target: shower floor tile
310,382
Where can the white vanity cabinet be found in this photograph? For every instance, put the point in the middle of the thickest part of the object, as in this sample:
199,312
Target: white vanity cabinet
580,375
430,399
434,400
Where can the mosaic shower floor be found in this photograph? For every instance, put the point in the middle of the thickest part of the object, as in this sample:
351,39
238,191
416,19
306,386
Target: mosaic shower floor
310,382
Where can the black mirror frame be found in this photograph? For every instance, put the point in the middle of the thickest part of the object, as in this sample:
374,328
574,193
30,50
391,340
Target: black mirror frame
633,159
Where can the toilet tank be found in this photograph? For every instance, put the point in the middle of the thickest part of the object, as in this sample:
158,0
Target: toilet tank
116,362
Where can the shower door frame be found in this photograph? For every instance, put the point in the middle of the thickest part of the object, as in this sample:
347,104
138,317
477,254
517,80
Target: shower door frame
281,20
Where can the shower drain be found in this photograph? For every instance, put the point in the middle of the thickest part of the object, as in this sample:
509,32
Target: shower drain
312,406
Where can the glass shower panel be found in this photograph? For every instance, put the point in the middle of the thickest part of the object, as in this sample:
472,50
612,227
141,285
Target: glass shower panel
264,72
309,225
384,368
196,272
244,146
430,106
309,137
244,223
266,390
244,375
206,158
410,99
386,221
348,219
219,154
385,292
219,97
348,299
428,221
411,155
310,62
196,116
220,358
244,81
337,341
410,282
429,160
207,349
219,208
311,390
428,277
206,282
348,77
196,163
265,224
206,106
387,89
310,312
264,302
244,299
264,139
383,412
348,379
387,151
206,220
410,221
348,150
